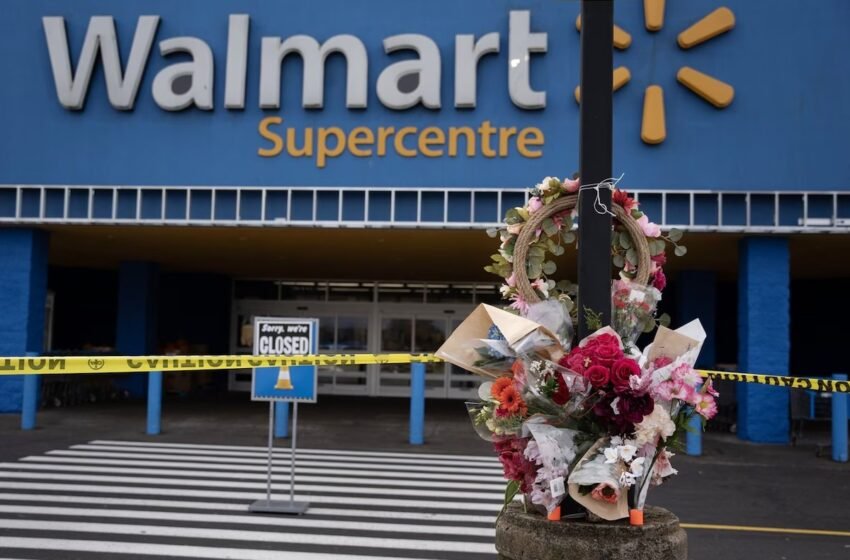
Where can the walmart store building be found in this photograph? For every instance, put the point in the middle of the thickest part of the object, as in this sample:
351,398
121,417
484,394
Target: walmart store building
169,170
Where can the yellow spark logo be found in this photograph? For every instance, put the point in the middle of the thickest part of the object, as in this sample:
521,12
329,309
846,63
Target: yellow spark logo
718,93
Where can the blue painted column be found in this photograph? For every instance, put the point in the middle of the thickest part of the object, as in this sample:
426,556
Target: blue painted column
763,337
154,403
23,291
136,329
839,422
281,419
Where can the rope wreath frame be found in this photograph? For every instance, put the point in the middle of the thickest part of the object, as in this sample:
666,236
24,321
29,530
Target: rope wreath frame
566,203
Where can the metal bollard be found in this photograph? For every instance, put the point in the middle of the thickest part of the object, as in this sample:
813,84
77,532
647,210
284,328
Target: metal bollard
417,404
281,419
839,422
29,400
693,437
154,403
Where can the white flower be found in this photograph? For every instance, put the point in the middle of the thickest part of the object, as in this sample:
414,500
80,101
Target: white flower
636,467
657,424
505,289
611,455
548,184
484,390
627,452
616,441
614,405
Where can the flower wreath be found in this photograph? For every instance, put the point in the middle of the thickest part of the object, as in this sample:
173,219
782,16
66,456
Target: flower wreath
560,229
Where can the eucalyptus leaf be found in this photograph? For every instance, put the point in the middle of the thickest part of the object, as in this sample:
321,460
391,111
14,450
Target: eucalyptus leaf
648,326
680,250
549,227
535,270
675,235
498,258
557,250
549,267
615,239
568,237
631,256
492,232
625,241
619,261
536,251
636,214
664,320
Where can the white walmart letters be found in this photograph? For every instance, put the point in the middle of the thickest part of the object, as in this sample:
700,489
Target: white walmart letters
122,85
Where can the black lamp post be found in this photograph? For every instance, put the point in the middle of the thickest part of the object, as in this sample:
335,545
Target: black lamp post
595,143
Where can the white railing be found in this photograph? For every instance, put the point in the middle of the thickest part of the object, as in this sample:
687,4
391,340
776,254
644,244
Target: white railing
400,207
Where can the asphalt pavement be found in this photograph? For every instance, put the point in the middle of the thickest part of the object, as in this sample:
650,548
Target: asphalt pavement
737,501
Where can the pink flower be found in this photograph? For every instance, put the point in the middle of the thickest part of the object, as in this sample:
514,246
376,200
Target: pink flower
519,303
649,229
606,492
511,280
659,281
705,405
570,185
535,204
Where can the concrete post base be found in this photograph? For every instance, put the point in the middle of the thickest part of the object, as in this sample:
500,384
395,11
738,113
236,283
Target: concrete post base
526,536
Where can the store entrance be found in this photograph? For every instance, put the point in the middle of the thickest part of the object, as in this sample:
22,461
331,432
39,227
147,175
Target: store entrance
364,317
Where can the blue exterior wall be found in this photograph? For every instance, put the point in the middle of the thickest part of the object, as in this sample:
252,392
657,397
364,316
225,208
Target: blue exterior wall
23,291
784,130
763,337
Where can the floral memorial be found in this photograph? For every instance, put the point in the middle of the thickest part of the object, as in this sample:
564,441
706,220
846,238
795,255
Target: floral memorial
595,421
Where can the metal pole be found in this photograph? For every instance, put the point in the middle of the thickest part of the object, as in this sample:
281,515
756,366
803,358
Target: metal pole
154,426
417,404
271,444
839,422
595,154
292,454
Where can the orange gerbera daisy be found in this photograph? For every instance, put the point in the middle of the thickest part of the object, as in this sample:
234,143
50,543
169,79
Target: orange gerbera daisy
499,386
511,401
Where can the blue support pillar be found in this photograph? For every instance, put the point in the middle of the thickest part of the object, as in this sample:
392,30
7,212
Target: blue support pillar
693,438
839,422
154,403
417,404
281,419
696,292
23,293
136,329
763,337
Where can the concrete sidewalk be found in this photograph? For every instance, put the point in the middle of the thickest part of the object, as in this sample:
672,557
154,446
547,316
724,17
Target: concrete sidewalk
733,483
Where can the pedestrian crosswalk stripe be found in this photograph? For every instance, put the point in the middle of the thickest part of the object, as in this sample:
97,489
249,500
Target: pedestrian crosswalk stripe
461,518
260,459
144,500
380,454
260,466
204,474
171,551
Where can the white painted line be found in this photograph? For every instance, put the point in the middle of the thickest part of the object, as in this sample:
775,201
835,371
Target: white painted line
270,522
279,487
285,453
260,460
195,473
227,506
249,496
171,550
482,458
247,536
259,467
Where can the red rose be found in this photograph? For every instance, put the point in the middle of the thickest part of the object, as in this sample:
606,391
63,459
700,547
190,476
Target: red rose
603,350
562,394
598,376
622,370
575,361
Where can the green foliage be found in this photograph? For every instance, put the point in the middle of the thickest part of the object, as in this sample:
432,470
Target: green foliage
680,250
593,319
511,490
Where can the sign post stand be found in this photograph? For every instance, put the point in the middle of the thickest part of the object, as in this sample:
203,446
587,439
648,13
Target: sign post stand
297,384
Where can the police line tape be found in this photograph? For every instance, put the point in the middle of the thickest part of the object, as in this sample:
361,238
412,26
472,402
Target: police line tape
141,364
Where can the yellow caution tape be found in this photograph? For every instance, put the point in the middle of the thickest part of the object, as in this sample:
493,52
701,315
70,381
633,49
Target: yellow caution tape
141,364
